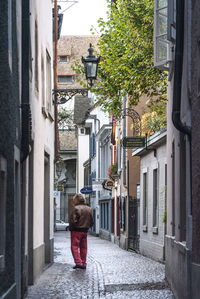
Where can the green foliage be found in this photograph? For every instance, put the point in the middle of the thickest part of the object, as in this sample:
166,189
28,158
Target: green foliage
155,123
112,171
126,50
65,118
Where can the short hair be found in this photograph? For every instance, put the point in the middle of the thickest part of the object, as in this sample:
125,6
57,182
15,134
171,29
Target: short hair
80,197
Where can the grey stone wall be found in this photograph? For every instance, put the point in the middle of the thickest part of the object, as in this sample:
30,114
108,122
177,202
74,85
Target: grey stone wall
9,140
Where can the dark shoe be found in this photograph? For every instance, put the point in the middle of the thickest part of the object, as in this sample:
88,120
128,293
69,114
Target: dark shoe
79,267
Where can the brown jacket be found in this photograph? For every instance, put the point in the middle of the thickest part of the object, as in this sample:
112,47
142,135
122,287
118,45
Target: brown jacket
80,218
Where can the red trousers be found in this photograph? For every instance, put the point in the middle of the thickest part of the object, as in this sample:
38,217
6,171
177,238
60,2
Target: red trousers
79,247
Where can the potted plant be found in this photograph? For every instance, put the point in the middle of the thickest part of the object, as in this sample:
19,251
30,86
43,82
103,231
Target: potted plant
112,171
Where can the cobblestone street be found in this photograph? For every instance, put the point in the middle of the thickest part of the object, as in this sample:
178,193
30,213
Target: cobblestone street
111,273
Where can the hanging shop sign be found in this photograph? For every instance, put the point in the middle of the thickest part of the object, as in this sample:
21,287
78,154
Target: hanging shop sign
109,184
97,185
132,142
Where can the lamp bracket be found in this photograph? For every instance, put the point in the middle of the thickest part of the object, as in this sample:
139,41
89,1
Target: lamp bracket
61,96
136,120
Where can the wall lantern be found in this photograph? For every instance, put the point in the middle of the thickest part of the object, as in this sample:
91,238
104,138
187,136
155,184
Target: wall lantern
91,66
58,169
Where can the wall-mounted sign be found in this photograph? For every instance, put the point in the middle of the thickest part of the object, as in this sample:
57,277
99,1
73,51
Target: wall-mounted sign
60,188
86,190
131,142
97,185
109,183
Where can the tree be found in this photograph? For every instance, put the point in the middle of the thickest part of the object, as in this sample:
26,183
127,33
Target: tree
126,50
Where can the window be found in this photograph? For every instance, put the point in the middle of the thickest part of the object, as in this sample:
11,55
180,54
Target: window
65,79
173,189
10,33
48,81
145,201
3,181
160,33
171,24
64,58
92,145
123,214
155,198
82,131
105,215
164,32
36,56
43,80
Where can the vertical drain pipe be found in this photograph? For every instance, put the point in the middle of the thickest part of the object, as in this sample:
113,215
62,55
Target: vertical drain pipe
176,117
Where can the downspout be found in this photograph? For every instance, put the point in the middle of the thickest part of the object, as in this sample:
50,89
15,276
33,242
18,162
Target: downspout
188,158
56,79
25,103
25,144
176,116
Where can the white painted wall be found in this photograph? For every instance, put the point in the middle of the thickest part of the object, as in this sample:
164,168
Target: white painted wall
42,128
102,118
83,155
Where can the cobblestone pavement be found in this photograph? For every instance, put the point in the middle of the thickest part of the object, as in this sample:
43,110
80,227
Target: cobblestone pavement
111,273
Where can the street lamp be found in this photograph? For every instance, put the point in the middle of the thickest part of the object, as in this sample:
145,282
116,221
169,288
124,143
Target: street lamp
91,65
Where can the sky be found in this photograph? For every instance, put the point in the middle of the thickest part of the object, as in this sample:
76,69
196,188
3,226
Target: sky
79,18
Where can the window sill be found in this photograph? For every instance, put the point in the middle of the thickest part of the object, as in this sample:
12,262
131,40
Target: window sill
2,262
155,230
44,112
50,115
144,228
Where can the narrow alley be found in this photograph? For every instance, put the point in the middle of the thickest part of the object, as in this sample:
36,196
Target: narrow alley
111,273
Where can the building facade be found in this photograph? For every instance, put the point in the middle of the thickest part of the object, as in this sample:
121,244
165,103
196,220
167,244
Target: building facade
10,148
27,144
182,240
153,184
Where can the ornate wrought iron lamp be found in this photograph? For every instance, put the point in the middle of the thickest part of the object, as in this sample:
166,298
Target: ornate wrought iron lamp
91,66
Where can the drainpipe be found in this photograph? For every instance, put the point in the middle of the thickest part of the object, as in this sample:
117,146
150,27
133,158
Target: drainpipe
188,158
176,117
56,78
25,104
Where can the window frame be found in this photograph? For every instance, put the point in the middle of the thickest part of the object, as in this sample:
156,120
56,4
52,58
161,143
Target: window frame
65,76
3,186
145,199
10,34
48,96
64,56
162,64
155,200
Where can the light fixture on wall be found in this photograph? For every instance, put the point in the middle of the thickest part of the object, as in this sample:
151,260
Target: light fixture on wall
58,169
91,66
